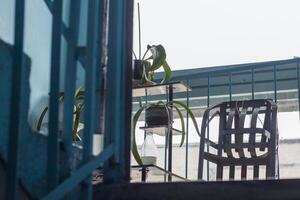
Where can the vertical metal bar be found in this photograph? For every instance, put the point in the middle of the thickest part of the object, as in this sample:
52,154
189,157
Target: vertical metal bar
166,142
298,84
170,134
118,103
144,174
50,5
53,146
70,76
252,83
187,130
166,155
275,82
90,121
127,76
208,104
146,102
230,86
16,99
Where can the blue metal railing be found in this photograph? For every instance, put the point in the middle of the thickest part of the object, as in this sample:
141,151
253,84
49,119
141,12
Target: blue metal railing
289,72
15,126
118,96
53,146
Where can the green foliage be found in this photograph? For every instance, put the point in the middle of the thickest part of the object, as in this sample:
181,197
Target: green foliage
78,98
155,61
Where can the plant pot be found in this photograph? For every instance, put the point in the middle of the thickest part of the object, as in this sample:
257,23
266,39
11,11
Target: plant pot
157,115
138,69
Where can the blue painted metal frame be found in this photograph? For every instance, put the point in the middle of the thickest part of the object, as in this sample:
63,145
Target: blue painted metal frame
118,95
53,146
70,76
50,5
252,83
208,104
275,83
95,11
298,84
15,124
232,68
80,174
187,132
118,137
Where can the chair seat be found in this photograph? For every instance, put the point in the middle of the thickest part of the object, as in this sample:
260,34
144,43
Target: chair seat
225,161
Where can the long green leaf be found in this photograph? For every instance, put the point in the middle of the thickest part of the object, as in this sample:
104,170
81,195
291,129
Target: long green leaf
190,113
79,92
146,66
159,56
76,123
43,114
38,127
134,149
182,125
158,103
167,74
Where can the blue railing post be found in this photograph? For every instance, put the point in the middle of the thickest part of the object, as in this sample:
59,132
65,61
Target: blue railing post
53,147
70,75
90,114
275,82
230,86
16,100
252,83
298,84
187,131
208,104
118,91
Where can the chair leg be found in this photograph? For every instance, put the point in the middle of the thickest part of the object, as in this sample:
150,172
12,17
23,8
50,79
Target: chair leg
219,172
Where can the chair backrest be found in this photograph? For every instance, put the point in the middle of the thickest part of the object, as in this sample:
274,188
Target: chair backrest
239,144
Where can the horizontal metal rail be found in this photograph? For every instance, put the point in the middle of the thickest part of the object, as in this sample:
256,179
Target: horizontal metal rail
80,174
234,68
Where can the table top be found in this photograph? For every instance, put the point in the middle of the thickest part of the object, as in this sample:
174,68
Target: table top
159,89
154,174
161,130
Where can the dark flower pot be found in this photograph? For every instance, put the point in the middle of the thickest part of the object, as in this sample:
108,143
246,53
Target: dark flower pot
157,116
138,69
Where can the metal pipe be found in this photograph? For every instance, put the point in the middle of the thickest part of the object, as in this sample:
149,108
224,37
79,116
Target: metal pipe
208,104
16,99
298,81
275,83
94,21
252,82
230,86
187,131
53,145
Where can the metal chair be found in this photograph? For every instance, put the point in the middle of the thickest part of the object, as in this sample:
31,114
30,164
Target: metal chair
261,143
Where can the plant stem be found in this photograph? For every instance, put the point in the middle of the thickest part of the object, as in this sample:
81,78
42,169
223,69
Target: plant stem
145,54
139,20
134,54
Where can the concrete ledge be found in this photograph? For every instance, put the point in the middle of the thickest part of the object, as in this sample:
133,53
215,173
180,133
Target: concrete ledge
239,190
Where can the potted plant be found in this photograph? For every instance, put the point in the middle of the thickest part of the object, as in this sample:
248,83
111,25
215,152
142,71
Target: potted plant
159,114
144,67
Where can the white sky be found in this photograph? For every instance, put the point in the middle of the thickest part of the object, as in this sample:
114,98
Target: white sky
201,33
198,33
